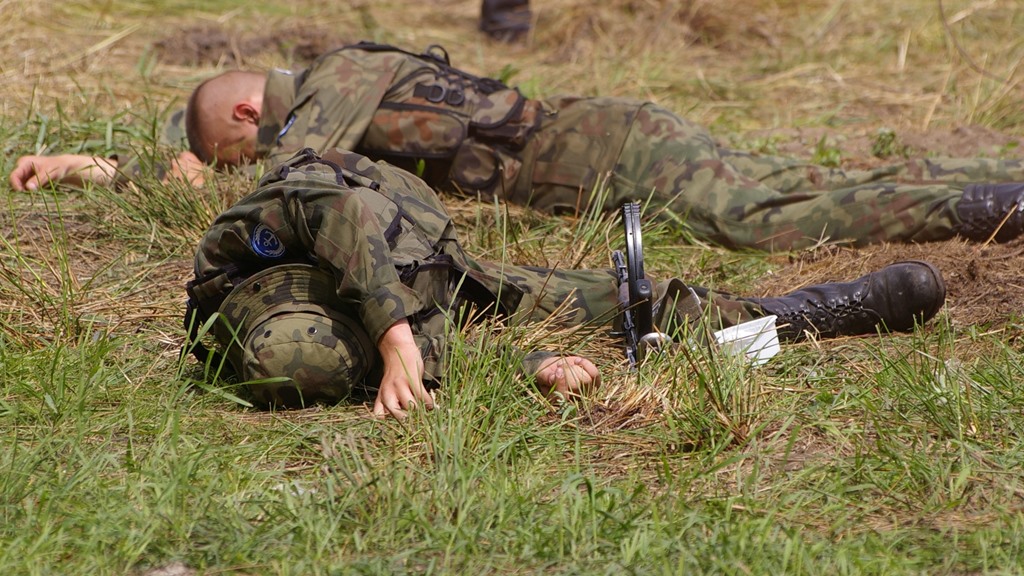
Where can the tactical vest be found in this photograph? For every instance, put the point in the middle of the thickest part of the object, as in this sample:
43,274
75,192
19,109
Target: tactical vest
415,226
413,229
468,130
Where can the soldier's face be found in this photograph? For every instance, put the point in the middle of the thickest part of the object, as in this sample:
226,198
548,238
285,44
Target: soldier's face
238,146
236,152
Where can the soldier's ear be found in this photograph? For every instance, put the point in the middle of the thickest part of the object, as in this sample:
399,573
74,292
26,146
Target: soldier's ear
245,112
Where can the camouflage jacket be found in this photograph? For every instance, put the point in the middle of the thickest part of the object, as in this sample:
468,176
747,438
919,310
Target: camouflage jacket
404,108
382,233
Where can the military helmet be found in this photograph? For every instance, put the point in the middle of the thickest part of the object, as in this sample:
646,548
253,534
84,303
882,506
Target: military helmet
291,340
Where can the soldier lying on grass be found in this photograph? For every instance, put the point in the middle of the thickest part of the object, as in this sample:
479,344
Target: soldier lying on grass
338,273
475,135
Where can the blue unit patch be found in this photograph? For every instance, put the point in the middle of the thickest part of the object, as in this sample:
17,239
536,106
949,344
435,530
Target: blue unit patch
265,243
291,120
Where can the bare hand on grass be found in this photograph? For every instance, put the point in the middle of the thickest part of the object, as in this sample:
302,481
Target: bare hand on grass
35,172
568,376
401,388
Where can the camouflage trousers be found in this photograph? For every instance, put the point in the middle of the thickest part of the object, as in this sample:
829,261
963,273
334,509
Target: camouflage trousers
736,198
576,297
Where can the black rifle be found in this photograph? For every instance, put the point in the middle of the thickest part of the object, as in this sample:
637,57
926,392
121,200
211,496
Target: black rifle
636,293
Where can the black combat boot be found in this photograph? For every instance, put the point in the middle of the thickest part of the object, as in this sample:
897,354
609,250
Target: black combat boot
505,20
894,298
983,208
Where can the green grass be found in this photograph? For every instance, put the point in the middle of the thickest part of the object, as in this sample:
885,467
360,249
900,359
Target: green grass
105,475
898,454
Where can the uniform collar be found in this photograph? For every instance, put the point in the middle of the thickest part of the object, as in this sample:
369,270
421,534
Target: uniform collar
278,99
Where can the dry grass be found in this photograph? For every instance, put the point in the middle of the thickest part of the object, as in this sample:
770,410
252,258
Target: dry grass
849,68
794,442
762,67
747,65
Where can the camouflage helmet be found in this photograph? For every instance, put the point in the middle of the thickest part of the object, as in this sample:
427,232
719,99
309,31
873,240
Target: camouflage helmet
290,339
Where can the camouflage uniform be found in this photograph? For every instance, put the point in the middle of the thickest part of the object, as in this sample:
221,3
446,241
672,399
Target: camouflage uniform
385,239
475,135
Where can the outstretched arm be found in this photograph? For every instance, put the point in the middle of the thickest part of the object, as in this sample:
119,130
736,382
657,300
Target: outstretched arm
34,172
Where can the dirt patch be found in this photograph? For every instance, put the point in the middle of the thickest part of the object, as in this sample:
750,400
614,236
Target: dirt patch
211,45
984,284
960,142
872,148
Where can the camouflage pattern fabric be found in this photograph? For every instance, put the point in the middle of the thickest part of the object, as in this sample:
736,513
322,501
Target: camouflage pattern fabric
173,133
389,250
575,297
740,199
381,233
550,155
323,359
389,104
341,212
734,198
283,322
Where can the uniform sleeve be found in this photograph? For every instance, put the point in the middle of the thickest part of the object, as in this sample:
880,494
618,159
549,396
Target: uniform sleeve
129,169
345,235
132,168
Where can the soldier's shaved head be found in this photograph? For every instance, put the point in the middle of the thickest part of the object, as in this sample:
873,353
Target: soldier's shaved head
223,115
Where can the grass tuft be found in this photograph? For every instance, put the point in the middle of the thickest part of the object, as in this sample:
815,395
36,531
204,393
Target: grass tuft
889,454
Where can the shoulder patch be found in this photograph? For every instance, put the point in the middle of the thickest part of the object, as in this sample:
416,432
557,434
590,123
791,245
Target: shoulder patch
265,243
